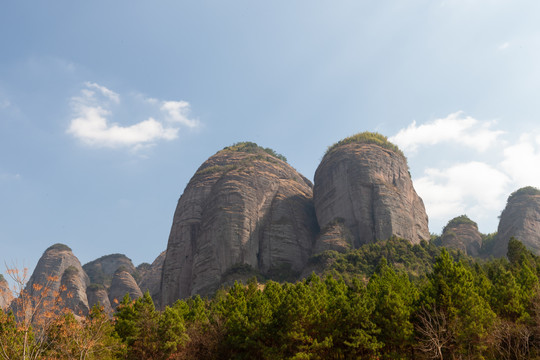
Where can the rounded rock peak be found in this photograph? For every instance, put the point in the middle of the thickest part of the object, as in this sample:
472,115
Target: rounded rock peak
462,233
365,180
59,247
245,206
367,137
520,219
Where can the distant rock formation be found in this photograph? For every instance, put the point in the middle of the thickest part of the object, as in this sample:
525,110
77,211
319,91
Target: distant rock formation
244,205
461,233
151,277
364,181
123,283
102,270
6,294
520,219
97,294
58,266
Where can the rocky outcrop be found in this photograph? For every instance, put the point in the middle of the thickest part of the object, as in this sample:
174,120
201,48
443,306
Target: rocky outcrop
364,181
461,233
520,219
123,283
334,236
151,277
102,270
6,295
244,205
74,297
58,266
97,295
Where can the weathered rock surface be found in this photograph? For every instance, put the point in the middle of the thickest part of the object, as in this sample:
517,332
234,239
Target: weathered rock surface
335,236
6,294
97,294
243,206
58,266
520,219
102,270
462,234
151,277
122,283
74,297
369,188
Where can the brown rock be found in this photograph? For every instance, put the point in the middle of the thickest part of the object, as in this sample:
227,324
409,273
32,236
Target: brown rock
243,206
520,219
97,294
6,295
102,270
123,283
335,236
461,233
151,277
74,294
364,180
58,266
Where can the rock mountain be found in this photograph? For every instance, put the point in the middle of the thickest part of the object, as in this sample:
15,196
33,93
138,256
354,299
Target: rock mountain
247,212
246,208
461,233
243,206
520,219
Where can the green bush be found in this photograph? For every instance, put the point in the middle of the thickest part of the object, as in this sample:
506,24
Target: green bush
366,138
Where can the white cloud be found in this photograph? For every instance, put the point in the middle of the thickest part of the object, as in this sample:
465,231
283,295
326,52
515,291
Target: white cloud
4,104
92,112
111,95
474,188
521,161
455,128
177,111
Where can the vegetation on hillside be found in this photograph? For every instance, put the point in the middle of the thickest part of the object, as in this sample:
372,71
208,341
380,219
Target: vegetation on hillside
527,190
368,305
59,247
459,220
367,138
253,148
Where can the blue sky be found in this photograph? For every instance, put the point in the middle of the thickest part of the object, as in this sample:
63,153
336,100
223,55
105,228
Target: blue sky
108,108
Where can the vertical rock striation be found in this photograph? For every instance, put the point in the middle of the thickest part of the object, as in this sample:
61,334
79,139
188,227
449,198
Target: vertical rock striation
461,233
244,205
56,267
364,182
520,219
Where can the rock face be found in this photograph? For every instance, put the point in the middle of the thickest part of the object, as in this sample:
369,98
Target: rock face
5,293
520,219
122,283
58,266
151,277
335,236
102,270
97,294
364,182
244,205
462,233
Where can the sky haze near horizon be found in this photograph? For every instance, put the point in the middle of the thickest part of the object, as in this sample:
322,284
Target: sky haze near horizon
108,109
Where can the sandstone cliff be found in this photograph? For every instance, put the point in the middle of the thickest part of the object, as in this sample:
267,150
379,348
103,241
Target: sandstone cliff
462,233
6,294
151,277
97,294
244,205
58,266
123,283
520,219
364,181
102,270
